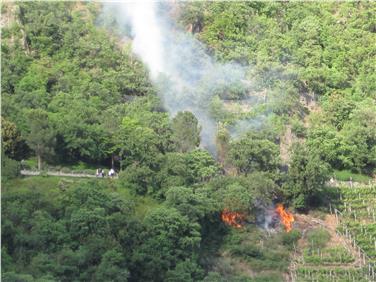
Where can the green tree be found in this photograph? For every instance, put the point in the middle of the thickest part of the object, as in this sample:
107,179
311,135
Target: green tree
111,121
136,142
248,155
41,136
201,166
236,198
186,131
139,178
12,143
14,277
172,171
168,239
338,107
9,168
263,188
324,141
194,204
222,143
306,176
358,136
112,268
185,271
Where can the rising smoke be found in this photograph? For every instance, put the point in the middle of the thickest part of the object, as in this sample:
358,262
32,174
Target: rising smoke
185,75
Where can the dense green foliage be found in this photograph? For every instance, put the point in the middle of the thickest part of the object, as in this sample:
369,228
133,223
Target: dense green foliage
11,140
344,134
74,95
41,137
306,177
186,131
67,236
55,59
252,153
9,168
317,43
324,51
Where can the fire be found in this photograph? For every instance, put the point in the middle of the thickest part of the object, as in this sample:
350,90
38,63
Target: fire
286,217
233,218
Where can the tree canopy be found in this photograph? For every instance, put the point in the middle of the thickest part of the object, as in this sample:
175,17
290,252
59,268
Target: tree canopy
74,93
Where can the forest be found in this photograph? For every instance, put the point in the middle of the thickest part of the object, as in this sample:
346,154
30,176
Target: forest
242,134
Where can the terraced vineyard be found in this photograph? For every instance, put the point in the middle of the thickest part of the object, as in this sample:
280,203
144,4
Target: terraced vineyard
330,274
334,262
324,254
335,255
355,213
357,218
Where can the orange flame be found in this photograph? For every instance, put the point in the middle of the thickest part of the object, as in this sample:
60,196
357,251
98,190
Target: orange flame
286,217
233,218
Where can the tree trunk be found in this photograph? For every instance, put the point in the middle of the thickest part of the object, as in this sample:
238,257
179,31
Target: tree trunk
112,161
39,162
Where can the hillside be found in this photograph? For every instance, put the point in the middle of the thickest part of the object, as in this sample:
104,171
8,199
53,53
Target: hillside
243,136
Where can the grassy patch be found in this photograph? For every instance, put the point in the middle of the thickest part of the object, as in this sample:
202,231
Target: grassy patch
79,167
256,250
344,175
31,163
53,186
318,237
36,183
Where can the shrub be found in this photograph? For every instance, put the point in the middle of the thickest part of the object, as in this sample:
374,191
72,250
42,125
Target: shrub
12,276
297,127
65,170
9,168
247,251
290,238
30,164
138,178
318,237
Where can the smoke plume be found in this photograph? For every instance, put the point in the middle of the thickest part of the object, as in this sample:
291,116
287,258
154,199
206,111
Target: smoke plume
185,75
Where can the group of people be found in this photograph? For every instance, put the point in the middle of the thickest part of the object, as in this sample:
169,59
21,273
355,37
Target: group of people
101,173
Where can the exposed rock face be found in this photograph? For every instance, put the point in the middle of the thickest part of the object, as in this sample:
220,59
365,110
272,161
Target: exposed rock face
11,14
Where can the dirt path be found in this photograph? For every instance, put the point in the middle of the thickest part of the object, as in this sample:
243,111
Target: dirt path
58,173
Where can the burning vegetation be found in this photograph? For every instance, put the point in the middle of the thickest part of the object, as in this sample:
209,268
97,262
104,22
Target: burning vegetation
278,214
286,217
234,219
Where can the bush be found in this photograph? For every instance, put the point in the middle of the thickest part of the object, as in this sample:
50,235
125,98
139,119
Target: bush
15,277
138,178
65,170
57,168
290,238
231,91
297,127
318,237
247,251
30,164
9,168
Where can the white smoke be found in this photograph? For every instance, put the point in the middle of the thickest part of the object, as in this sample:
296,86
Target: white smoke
147,37
185,75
